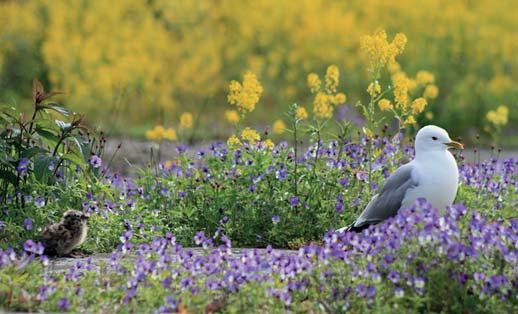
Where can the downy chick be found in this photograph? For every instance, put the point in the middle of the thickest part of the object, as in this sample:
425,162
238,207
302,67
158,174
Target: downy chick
63,237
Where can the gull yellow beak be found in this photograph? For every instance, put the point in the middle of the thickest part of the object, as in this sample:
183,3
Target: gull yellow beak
454,144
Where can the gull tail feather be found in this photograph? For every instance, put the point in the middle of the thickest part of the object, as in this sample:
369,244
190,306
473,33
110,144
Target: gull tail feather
354,228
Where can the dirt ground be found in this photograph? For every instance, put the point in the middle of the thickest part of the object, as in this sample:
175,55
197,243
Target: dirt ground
134,154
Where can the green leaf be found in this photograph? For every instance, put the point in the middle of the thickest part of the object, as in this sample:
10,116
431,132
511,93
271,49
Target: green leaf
75,158
82,145
56,107
33,151
62,125
41,168
8,176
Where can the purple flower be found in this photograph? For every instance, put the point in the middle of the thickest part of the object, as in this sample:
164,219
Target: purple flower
199,238
39,201
393,276
276,219
33,247
339,204
371,292
294,201
95,161
23,166
27,224
344,181
63,304
361,290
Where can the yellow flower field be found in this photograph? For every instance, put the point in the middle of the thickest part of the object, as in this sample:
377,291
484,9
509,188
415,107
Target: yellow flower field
147,62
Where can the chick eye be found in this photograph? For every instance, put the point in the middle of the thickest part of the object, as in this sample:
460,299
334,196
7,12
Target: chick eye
434,138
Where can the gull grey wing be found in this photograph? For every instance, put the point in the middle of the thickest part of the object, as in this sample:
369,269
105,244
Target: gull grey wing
389,200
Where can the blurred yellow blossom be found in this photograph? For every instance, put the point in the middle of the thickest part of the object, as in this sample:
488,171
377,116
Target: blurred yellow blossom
412,84
332,78
232,116
379,51
301,113
159,133
168,164
314,82
233,141
170,134
401,85
418,105
245,96
186,120
425,77
431,91
498,117
384,104
338,99
278,127
250,135
268,143
429,115
322,107
374,89
410,120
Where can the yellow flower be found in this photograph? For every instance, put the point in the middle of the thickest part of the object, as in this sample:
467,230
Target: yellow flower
503,110
410,120
250,135
401,85
394,67
418,105
170,134
431,92
425,77
384,104
412,84
429,115
186,120
269,144
159,133
314,82
399,42
247,95
232,116
379,51
322,107
151,135
498,117
332,78
278,127
301,113
233,141
374,89
338,99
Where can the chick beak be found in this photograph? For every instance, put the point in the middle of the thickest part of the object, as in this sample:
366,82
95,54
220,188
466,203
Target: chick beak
454,144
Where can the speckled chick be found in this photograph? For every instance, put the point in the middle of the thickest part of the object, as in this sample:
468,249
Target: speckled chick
61,238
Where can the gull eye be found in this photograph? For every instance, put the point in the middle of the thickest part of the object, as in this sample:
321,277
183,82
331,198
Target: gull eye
434,138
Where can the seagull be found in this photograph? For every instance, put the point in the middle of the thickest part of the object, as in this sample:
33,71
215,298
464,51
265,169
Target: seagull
433,175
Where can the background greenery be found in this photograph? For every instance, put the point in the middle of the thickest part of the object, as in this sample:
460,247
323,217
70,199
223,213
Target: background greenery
146,62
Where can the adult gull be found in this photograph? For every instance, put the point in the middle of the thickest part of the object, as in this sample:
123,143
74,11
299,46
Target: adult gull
433,175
